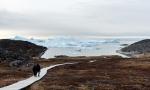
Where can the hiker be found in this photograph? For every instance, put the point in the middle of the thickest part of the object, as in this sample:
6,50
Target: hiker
36,70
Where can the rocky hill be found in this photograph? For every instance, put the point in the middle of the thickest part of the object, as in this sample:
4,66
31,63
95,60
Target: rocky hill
141,47
16,52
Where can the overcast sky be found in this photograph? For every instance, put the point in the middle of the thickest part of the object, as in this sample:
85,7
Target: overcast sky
44,18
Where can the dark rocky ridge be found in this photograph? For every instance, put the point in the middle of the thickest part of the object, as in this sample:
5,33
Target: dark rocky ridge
16,52
140,47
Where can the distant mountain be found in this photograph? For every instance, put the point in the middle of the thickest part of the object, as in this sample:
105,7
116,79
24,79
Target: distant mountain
17,51
141,47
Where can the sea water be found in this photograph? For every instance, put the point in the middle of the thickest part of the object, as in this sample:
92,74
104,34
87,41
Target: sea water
91,47
71,46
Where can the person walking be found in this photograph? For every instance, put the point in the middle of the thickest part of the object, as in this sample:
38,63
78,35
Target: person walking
36,70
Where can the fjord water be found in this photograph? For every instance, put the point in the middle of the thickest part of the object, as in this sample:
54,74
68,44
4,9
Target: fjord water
72,46
90,47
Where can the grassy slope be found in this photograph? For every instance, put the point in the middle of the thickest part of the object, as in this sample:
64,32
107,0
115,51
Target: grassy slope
104,74
9,75
107,73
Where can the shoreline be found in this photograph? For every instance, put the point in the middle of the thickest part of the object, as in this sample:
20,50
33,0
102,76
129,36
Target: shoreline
128,54
45,55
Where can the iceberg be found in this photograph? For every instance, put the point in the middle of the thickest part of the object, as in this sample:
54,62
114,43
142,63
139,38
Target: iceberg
67,42
20,38
112,41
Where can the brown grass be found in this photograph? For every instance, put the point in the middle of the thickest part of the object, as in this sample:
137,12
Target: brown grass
9,75
104,74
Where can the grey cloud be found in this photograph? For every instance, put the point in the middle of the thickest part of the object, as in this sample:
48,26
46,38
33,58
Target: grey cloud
114,17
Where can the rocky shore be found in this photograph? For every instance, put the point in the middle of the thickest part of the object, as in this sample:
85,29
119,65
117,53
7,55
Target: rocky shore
137,49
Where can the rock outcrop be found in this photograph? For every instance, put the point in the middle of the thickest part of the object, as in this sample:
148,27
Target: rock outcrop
141,47
16,52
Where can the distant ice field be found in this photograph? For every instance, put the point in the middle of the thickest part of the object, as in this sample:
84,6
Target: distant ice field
72,46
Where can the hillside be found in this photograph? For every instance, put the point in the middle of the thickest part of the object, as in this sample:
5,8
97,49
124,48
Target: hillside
16,51
141,47
96,73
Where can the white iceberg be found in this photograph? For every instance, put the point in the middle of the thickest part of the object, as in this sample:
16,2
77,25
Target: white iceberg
68,42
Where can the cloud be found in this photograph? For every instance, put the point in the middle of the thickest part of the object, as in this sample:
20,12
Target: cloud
77,17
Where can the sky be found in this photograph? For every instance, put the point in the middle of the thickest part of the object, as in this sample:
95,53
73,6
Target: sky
44,18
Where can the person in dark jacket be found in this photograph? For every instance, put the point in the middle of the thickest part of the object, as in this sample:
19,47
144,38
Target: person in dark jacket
36,70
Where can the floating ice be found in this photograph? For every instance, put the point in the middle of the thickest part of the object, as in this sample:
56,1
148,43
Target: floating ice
68,42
